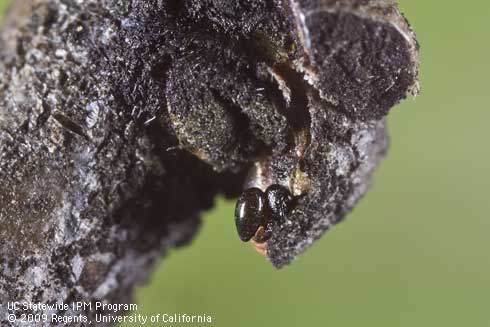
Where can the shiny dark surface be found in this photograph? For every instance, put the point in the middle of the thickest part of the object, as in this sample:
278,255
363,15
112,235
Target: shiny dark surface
250,213
279,201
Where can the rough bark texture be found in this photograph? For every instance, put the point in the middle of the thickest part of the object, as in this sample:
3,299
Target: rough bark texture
121,120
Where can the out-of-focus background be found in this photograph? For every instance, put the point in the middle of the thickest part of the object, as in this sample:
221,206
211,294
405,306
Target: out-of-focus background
416,251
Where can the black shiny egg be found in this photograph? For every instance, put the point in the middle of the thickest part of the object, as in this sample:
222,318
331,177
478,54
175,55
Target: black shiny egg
250,213
279,201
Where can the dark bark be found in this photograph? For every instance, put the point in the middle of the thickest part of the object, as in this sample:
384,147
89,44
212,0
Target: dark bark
120,121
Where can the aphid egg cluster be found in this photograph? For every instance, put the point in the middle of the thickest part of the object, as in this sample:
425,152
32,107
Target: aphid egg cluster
256,211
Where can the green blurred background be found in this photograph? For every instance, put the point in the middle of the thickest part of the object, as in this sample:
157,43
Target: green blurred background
416,251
